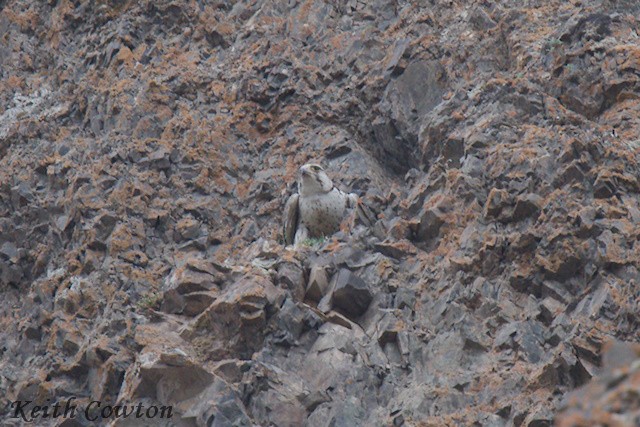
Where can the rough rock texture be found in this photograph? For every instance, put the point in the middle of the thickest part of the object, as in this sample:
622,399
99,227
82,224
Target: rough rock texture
613,397
147,149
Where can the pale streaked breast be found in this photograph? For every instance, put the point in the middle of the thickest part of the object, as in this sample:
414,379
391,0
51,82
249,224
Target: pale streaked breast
322,213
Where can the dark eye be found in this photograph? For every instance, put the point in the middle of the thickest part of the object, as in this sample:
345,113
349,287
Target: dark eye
316,168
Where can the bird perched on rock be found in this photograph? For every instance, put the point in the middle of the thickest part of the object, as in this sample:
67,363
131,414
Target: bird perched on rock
317,209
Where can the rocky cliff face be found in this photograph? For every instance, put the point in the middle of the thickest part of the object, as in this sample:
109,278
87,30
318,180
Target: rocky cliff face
148,147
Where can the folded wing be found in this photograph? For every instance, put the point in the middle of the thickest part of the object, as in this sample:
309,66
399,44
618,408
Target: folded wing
290,220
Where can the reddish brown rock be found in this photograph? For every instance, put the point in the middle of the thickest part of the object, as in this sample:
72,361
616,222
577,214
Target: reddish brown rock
146,149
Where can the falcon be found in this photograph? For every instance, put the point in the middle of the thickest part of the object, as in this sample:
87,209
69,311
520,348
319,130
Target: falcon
317,209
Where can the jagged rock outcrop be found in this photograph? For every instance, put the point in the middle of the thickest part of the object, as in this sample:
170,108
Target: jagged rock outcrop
146,152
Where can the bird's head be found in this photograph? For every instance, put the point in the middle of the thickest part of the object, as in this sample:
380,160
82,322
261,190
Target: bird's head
313,180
